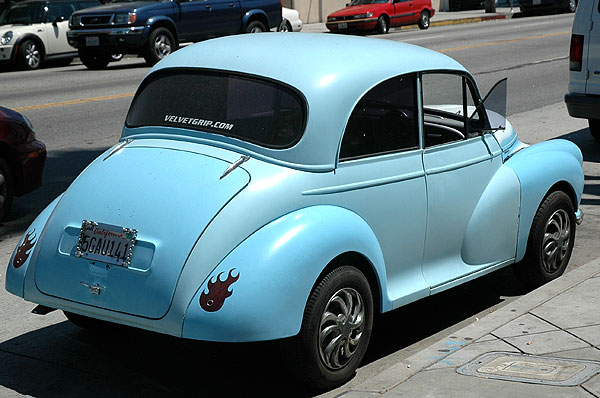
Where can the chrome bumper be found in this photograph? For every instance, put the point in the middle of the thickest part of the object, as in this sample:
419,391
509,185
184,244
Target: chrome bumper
579,217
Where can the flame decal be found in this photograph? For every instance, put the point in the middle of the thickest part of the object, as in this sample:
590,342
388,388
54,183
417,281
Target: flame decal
214,299
24,250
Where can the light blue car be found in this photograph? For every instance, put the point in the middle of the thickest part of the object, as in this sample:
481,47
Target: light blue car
291,186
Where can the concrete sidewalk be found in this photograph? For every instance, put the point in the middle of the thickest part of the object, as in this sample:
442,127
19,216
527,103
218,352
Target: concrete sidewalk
439,19
545,344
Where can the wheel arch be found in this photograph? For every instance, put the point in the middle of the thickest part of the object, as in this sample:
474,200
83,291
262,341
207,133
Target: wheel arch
32,37
163,22
255,15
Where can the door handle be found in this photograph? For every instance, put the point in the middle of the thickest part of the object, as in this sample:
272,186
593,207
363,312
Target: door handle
231,5
208,6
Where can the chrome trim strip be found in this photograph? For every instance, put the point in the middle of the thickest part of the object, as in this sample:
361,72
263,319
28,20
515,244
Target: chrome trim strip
364,184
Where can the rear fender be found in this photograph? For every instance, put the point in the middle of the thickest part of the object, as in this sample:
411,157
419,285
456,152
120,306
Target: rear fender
539,168
272,273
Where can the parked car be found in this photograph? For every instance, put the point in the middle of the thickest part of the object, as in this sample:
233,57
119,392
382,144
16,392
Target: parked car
22,158
33,32
339,192
155,28
380,15
291,21
583,98
530,6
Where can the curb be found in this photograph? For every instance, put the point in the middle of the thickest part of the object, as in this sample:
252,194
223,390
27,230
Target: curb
402,371
456,21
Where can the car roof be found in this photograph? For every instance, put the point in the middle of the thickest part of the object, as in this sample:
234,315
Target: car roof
332,72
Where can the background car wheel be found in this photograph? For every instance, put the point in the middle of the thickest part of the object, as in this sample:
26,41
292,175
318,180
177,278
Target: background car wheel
94,61
116,57
29,56
595,128
424,20
382,25
160,44
6,188
335,332
572,7
85,322
550,241
255,27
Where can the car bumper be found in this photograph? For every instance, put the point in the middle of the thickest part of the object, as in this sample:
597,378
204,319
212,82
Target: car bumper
110,38
579,217
351,25
6,53
32,157
583,106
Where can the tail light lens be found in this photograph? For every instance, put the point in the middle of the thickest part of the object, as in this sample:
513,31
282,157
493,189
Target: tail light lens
576,53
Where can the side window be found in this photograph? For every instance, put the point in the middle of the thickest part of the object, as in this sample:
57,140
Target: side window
60,10
86,4
448,101
383,121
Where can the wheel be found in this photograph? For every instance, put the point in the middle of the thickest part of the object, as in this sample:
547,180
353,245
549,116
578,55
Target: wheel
335,331
255,27
424,20
572,7
550,241
382,25
116,57
29,56
6,188
160,44
94,61
85,322
595,128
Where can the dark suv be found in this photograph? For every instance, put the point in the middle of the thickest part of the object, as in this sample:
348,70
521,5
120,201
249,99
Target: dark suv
154,28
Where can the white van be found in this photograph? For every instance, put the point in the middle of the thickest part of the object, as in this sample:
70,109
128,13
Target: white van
583,98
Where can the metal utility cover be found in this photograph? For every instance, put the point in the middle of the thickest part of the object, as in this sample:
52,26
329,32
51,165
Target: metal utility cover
531,369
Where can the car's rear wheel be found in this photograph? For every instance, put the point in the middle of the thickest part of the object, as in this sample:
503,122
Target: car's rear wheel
550,241
160,44
424,20
88,323
335,331
6,188
595,128
382,25
94,61
29,56
255,27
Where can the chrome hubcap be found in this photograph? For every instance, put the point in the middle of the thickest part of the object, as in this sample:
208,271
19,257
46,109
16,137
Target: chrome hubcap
32,55
162,46
256,29
555,244
425,20
341,328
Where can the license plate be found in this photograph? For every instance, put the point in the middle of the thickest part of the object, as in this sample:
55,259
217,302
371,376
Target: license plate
106,243
343,25
95,40
537,2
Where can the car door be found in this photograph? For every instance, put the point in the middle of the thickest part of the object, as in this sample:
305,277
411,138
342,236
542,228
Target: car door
472,199
194,17
380,177
225,17
404,12
56,26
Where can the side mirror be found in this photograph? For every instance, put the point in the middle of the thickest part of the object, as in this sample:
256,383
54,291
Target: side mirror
57,20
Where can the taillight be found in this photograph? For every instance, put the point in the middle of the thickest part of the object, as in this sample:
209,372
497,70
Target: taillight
576,53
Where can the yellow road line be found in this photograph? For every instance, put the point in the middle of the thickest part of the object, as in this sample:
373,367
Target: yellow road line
73,102
495,43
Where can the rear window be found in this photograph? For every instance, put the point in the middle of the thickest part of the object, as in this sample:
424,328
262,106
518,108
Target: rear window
252,109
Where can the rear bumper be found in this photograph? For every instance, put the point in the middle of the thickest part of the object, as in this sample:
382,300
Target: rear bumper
363,24
583,106
109,39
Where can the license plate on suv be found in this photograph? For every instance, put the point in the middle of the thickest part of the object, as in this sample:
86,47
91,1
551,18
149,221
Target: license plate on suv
92,41
106,243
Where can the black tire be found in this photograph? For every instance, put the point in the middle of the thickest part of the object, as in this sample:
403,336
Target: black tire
571,6
88,323
160,44
94,61
595,128
29,55
255,27
7,188
304,353
382,25
424,20
550,241
116,57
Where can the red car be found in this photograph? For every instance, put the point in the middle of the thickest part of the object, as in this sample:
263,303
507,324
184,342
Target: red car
380,15
22,158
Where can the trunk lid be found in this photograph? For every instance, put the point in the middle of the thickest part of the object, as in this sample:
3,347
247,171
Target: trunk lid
169,196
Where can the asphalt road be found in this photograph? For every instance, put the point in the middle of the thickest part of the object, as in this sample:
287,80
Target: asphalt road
79,113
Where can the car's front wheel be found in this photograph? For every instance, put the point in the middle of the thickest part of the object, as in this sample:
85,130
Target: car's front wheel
424,20
335,331
29,56
160,44
550,241
382,25
94,61
6,188
595,128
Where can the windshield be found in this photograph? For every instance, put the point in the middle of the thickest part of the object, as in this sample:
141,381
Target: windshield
360,2
259,111
23,14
